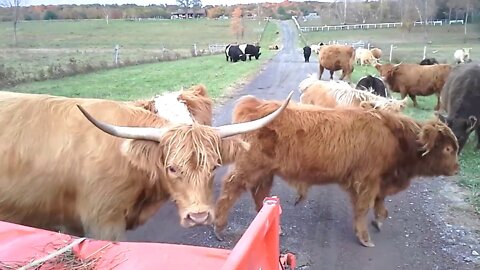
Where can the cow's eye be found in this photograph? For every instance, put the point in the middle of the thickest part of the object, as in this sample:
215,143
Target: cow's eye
172,169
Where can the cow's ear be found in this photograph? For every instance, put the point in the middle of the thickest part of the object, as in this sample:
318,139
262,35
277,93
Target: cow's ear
472,123
143,155
231,147
199,90
427,138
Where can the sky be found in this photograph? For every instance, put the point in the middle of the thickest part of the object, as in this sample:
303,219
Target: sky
148,2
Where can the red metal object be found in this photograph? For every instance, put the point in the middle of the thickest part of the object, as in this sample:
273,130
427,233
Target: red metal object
257,249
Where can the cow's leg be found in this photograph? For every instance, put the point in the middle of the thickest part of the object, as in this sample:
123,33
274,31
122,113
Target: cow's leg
381,213
331,74
414,99
362,198
261,190
322,69
233,185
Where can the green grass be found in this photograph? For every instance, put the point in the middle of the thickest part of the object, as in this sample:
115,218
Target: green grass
144,81
45,43
409,45
469,158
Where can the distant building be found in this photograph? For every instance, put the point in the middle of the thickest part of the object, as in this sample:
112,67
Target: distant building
189,13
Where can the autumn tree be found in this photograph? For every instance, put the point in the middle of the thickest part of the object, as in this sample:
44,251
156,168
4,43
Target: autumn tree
189,3
237,23
14,5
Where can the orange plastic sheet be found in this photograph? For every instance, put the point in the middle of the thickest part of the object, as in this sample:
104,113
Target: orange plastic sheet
257,249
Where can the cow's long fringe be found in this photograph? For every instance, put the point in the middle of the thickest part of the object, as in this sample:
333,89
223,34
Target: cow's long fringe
181,143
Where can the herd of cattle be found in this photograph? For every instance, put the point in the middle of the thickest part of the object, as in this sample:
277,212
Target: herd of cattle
457,87
100,167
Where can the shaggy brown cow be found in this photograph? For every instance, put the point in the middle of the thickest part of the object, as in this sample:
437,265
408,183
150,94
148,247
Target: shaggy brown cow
58,171
370,154
331,94
336,57
415,80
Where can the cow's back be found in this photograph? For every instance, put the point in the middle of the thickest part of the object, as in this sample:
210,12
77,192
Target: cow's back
461,92
53,158
336,57
306,140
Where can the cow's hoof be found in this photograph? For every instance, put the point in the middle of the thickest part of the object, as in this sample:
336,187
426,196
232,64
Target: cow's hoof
298,200
365,239
218,234
367,243
377,224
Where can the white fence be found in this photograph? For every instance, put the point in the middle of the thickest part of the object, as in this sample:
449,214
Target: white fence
369,25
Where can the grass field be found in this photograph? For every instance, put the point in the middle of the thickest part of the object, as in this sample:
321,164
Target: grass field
43,45
469,158
444,40
144,81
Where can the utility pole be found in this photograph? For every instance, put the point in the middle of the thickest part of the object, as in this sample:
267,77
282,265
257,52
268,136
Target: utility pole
345,12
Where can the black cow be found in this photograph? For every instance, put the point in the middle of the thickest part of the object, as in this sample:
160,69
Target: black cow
372,84
460,101
307,51
429,61
250,50
233,52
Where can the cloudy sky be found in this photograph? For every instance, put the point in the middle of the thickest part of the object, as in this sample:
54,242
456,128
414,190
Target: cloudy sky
148,2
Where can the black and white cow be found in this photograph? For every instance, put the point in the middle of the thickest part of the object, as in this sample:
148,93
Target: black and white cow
374,85
307,51
250,50
234,53
429,61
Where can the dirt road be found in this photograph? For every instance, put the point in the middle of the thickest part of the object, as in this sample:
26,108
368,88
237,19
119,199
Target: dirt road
430,227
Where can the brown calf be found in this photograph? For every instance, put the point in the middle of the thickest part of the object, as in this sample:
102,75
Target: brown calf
370,154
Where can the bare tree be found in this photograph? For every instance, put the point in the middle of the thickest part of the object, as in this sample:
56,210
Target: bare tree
106,13
189,3
237,23
14,5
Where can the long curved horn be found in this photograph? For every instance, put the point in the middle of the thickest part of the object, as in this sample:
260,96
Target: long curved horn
234,129
141,133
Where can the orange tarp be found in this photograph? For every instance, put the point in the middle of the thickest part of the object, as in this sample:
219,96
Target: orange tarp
257,249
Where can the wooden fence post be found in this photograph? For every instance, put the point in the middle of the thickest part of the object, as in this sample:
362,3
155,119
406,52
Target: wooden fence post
116,53
391,52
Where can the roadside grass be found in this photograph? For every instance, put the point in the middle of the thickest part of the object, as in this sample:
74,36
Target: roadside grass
444,40
43,46
469,158
145,81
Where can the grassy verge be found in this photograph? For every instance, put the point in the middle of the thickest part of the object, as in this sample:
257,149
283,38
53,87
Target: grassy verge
144,81
55,49
469,158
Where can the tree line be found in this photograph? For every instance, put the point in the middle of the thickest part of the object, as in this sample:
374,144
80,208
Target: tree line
330,13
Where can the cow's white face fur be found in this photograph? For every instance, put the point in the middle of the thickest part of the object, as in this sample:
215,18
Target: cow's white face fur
171,108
